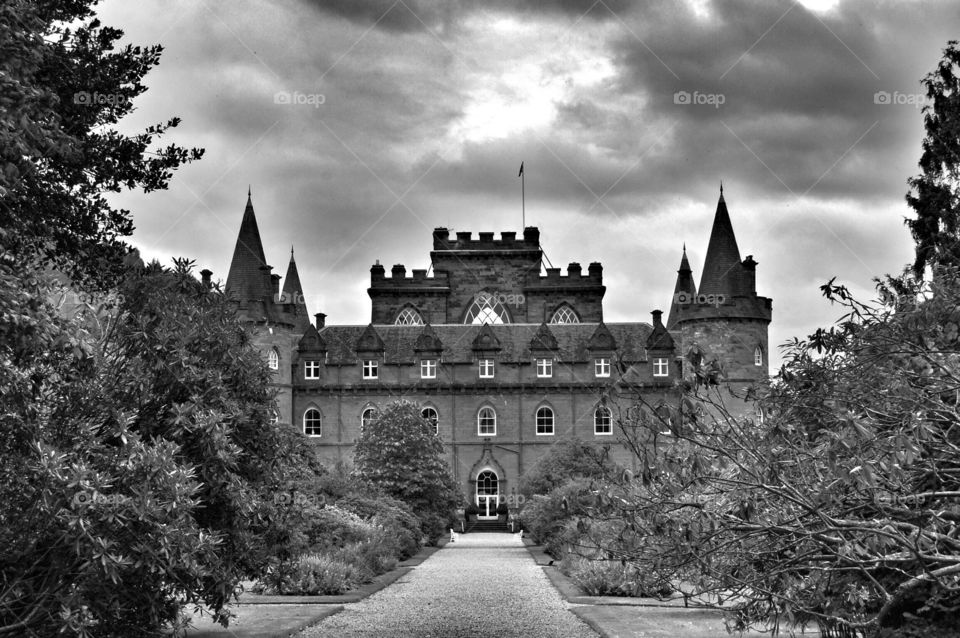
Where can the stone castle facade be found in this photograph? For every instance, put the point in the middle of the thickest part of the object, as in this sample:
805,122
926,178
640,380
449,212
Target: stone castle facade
504,357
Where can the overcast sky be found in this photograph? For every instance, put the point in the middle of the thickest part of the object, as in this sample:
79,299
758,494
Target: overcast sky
409,115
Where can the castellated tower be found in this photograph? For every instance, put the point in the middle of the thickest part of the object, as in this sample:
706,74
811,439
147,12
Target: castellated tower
276,318
724,317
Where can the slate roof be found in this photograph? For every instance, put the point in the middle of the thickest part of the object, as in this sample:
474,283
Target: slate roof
248,278
721,268
515,340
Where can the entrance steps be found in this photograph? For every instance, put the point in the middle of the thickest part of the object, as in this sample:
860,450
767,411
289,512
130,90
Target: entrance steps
488,527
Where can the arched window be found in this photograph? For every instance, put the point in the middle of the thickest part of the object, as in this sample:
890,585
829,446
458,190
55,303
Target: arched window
758,356
544,420
273,359
430,414
274,416
312,422
564,314
367,417
602,420
487,422
409,317
486,308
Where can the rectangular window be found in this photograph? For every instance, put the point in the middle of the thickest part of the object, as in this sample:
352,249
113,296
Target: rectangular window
370,369
311,369
601,367
661,367
544,368
428,369
486,368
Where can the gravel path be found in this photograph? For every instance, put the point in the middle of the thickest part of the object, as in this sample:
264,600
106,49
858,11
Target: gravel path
482,585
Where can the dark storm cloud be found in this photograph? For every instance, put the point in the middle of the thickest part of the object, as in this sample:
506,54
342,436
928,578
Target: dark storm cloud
416,15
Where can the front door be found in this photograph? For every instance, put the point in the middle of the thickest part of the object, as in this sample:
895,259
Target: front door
488,494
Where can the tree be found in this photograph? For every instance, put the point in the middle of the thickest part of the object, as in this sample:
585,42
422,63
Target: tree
841,508
935,193
400,453
63,87
139,458
566,460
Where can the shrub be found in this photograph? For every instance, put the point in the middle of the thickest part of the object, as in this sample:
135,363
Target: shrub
394,516
318,575
611,578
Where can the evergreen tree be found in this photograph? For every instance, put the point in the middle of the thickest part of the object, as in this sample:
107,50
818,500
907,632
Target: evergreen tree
935,193
400,454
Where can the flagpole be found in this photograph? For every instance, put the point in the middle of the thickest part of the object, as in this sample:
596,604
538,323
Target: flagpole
523,195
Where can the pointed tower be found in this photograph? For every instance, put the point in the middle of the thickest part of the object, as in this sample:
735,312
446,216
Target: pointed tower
685,290
292,298
725,318
249,282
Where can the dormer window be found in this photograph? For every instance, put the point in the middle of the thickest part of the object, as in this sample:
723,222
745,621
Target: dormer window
544,368
486,368
601,367
486,308
371,369
428,368
311,370
661,367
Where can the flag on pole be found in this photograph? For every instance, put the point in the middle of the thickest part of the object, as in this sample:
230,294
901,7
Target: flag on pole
520,174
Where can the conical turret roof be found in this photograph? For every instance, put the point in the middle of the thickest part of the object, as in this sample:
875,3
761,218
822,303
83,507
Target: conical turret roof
249,275
721,268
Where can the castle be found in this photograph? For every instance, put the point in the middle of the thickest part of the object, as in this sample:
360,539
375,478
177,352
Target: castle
504,357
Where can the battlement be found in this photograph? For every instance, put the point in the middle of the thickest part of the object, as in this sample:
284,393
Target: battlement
574,276
398,277
508,240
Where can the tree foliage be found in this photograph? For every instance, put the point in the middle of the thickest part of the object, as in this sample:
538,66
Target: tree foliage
139,456
566,460
841,508
935,193
64,85
400,454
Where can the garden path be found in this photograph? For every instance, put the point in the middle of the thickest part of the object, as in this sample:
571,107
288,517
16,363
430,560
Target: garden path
480,585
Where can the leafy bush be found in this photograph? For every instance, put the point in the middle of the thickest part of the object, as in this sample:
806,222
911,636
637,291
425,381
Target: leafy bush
598,577
567,459
319,575
392,515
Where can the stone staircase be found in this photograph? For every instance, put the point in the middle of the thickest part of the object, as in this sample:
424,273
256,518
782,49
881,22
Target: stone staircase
488,527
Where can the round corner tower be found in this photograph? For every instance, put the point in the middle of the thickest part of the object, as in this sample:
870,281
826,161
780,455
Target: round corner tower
725,317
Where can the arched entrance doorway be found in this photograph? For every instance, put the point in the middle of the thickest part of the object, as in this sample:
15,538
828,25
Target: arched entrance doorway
488,494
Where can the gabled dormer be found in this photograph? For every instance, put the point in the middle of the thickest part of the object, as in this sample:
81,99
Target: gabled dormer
428,342
312,356
486,341
369,341
543,341
602,340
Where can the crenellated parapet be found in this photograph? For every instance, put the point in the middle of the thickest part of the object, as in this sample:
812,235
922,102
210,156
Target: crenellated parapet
464,240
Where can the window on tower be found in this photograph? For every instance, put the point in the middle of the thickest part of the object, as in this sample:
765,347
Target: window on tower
758,356
564,314
409,317
486,308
